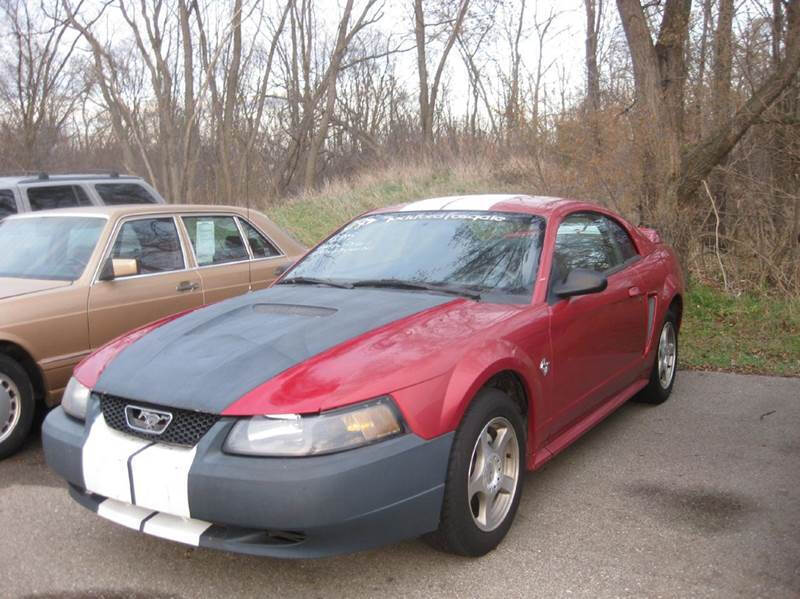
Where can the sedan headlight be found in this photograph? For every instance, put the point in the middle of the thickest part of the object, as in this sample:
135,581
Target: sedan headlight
292,435
75,399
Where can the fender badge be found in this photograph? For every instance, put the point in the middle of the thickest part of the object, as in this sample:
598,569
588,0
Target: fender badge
544,366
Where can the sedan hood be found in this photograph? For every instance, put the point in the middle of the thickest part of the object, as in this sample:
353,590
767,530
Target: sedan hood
208,359
12,287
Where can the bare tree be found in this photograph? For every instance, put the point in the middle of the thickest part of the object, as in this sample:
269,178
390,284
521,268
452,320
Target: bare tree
428,92
594,15
36,83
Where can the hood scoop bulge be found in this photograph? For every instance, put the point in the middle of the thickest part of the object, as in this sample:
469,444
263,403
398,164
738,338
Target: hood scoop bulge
293,310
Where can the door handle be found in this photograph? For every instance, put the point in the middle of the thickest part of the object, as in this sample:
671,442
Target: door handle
187,286
634,291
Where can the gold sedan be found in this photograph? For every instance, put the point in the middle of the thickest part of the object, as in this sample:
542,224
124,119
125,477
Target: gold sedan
72,279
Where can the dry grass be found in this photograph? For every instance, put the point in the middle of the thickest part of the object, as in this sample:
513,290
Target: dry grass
311,216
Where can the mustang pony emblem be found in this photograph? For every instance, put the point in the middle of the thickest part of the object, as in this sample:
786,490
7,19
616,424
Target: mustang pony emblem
145,420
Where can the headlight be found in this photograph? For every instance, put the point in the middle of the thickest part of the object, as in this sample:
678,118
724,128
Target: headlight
292,435
75,399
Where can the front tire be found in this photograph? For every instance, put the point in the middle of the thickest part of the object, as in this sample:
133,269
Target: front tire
17,406
662,377
484,477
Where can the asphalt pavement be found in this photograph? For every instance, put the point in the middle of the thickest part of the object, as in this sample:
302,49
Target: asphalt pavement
699,497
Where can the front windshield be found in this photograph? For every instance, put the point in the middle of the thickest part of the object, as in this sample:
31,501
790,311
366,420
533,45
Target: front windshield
487,252
48,247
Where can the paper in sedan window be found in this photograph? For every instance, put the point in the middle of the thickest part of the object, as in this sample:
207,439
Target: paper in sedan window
204,242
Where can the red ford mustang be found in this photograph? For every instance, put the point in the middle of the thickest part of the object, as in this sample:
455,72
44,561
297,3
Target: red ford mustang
396,382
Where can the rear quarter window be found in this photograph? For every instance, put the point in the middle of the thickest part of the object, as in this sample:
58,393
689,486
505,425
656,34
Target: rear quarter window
114,194
8,205
57,196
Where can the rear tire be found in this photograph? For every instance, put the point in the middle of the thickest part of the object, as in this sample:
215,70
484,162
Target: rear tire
17,406
665,368
484,477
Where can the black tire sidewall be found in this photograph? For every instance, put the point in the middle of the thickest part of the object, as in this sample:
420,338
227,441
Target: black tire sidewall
12,369
462,534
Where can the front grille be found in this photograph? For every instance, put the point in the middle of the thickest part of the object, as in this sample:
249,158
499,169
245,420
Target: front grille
186,428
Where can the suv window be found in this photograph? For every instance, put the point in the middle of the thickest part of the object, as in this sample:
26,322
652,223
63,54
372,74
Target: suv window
215,239
57,196
153,242
260,246
590,241
8,205
114,194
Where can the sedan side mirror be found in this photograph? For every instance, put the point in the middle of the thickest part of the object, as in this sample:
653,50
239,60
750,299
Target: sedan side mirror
115,268
580,282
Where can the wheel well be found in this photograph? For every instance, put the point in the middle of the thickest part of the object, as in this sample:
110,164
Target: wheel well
510,383
14,351
676,306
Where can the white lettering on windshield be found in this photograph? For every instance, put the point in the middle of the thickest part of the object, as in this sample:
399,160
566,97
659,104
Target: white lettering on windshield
444,216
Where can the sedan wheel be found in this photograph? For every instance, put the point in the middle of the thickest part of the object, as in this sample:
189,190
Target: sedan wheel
9,407
484,476
16,406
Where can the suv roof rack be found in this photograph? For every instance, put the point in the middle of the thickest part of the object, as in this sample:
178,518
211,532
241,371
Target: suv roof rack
86,174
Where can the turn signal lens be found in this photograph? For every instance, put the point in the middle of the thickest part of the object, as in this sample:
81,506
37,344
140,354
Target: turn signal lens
292,435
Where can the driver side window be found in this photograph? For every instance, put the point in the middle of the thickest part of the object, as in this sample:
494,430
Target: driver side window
590,241
154,242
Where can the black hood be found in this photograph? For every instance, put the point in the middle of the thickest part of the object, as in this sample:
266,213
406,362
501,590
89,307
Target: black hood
209,358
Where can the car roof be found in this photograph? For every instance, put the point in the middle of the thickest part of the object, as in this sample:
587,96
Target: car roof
132,209
510,202
11,180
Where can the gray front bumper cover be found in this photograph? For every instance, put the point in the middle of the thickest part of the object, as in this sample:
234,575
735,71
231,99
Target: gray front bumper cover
281,507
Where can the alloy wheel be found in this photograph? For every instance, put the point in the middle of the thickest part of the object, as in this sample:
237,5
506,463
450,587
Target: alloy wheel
493,474
667,351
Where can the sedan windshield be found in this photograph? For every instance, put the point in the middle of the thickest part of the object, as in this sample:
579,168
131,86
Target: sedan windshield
48,247
472,253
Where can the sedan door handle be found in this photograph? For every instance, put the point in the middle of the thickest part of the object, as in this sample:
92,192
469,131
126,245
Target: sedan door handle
634,291
187,286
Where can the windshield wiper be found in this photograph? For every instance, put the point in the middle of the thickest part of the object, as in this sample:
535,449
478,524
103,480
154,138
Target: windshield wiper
419,286
314,281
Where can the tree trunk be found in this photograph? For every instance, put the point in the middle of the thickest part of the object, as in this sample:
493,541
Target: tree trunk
427,96
721,104
699,159
659,76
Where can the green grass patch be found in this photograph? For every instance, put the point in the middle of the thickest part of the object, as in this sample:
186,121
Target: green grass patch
746,333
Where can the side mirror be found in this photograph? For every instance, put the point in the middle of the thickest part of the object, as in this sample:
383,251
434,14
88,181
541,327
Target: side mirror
580,282
115,268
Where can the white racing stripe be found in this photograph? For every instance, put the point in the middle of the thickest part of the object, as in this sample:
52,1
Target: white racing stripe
165,526
160,477
174,528
126,514
135,471
472,202
431,204
105,460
